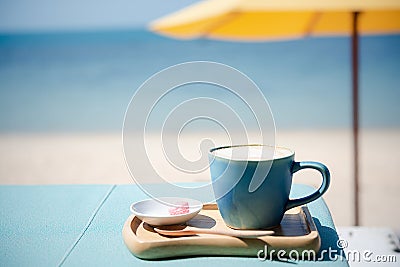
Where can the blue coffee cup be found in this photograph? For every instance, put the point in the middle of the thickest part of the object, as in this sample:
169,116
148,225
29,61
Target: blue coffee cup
252,183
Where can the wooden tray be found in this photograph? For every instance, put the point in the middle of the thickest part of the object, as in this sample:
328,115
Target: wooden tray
297,231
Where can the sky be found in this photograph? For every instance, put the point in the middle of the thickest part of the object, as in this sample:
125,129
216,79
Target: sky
69,15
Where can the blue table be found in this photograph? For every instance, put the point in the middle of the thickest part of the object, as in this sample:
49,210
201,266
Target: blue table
75,225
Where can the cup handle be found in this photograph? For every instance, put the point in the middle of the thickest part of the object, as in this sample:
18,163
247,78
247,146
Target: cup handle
326,178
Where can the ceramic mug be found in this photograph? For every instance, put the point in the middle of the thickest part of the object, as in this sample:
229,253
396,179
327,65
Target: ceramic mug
232,172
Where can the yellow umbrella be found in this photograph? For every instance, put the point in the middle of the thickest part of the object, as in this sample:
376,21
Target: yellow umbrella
263,20
258,20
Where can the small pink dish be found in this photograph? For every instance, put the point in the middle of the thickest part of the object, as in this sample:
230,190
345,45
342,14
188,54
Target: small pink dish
161,211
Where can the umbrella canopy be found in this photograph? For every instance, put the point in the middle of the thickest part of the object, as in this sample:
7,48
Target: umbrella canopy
263,20
260,20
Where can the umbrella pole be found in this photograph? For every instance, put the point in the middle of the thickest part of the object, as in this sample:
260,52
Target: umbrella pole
354,41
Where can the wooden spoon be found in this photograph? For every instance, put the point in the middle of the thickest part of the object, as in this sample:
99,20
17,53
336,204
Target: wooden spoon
183,230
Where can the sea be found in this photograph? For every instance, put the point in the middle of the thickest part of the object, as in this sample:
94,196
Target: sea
84,81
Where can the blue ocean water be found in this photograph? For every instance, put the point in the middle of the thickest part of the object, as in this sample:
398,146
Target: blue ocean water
83,81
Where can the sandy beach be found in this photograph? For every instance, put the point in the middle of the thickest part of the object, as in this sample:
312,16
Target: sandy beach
27,159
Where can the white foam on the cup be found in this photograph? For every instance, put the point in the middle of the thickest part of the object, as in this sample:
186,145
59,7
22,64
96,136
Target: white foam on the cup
252,153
